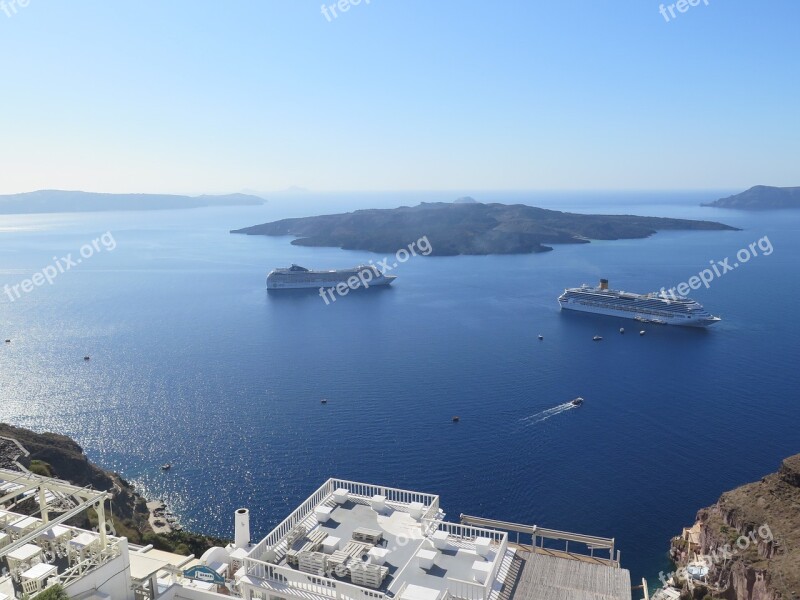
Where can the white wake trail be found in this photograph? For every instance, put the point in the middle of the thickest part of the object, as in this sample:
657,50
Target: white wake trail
546,414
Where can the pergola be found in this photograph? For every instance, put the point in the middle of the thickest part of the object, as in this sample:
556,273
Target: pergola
17,484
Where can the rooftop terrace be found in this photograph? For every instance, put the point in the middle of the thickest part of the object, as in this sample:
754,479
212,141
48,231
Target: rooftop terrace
353,541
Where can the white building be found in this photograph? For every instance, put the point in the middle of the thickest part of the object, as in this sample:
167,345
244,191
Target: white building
347,541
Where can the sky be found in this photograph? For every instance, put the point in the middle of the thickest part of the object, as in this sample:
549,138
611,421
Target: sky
216,97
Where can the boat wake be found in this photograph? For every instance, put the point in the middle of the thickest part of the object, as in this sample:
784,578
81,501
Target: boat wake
546,414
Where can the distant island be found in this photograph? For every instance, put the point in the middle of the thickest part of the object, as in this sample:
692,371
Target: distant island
60,201
468,228
465,200
761,197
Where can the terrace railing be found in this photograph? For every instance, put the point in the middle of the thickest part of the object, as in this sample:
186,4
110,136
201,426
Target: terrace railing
540,534
467,590
470,590
393,495
94,560
362,492
319,586
298,516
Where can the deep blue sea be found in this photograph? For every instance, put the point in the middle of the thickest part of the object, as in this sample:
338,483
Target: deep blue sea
194,363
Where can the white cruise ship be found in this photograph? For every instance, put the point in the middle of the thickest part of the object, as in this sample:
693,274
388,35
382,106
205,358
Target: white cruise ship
649,308
297,277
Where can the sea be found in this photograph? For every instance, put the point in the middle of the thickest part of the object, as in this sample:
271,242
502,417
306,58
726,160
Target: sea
194,363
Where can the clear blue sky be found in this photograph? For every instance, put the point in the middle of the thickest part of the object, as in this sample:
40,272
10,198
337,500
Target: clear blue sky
200,96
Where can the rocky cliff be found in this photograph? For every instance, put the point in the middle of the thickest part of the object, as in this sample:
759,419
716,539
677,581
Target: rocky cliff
751,539
59,456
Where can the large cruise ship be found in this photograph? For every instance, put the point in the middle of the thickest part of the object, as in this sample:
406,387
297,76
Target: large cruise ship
653,308
297,277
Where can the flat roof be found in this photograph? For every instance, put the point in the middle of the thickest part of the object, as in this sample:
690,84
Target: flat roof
410,524
143,566
546,577
405,523
403,537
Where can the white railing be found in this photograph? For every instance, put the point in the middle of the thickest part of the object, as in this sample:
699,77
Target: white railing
317,585
466,590
540,534
469,533
393,495
93,561
361,492
498,562
298,516
470,590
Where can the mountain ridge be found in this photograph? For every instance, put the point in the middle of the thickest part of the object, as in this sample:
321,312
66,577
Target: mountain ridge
71,201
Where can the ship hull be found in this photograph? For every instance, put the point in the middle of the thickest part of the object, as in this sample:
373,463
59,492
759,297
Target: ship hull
665,319
316,285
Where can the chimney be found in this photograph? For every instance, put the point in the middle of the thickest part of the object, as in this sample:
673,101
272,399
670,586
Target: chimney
604,284
241,520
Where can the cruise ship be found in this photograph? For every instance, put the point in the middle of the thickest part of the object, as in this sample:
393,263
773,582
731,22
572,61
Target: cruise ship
297,277
657,308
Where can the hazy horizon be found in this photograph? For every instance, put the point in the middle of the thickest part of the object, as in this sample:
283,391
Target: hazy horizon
208,98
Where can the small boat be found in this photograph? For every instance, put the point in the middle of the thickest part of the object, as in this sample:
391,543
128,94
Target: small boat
456,419
87,357
622,330
597,338
642,332
577,402
166,467
541,337
324,401
8,341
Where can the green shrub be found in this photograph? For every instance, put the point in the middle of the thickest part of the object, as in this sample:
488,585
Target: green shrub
41,468
54,593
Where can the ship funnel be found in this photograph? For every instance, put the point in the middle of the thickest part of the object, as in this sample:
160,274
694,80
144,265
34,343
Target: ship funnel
604,284
241,520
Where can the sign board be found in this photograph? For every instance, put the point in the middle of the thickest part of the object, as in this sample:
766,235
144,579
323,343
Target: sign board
204,573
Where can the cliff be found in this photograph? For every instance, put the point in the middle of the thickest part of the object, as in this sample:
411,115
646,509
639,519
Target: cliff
751,538
59,456
468,228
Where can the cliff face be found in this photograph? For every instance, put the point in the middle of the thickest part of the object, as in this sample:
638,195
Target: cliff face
62,457
58,456
751,538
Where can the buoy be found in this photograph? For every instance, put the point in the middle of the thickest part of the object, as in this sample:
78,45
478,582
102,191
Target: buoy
324,401
456,419
87,357
641,332
622,330
541,337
